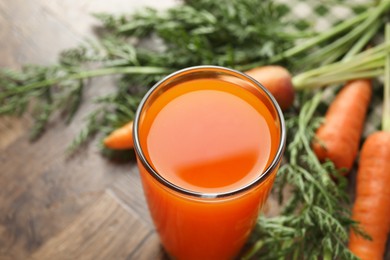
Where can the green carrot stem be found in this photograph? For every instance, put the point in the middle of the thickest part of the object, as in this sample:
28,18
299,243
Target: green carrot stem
386,88
370,59
85,74
362,42
355,33
326,58
322,37
336,69
371,51
314,41
255,248
369,18
304,118
333,79
364,65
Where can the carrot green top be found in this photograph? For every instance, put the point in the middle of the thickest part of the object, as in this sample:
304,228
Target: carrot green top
386,92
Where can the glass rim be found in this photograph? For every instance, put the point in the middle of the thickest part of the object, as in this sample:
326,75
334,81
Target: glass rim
154,173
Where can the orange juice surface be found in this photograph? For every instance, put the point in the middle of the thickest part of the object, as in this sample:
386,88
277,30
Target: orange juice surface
207,136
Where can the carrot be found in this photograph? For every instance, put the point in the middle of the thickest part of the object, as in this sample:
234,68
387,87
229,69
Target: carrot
338,138
121,138
278,81
372,203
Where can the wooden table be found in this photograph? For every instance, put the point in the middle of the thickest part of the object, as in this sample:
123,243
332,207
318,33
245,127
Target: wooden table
52,207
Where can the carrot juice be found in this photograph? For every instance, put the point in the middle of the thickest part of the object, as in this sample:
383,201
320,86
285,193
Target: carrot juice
208,148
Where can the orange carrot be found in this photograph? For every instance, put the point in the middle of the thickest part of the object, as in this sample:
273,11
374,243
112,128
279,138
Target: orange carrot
338,138
121,138
372,204
278,81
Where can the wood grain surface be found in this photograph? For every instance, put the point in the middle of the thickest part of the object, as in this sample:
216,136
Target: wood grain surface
53,207
107,224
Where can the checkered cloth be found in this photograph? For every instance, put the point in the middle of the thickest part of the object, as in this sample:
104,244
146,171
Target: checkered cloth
320,15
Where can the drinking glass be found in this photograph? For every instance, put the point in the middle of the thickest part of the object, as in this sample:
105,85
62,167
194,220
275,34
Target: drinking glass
210,223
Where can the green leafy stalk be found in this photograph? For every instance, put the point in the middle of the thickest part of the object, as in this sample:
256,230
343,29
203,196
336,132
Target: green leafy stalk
386,88
327,80
83,75
312,42
317,208
43,114
74,100
362,42
211,32
342,44
361,59
346,25
94,119
369,63
361,28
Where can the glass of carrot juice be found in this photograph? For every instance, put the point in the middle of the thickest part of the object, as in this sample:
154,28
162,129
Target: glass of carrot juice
209,141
